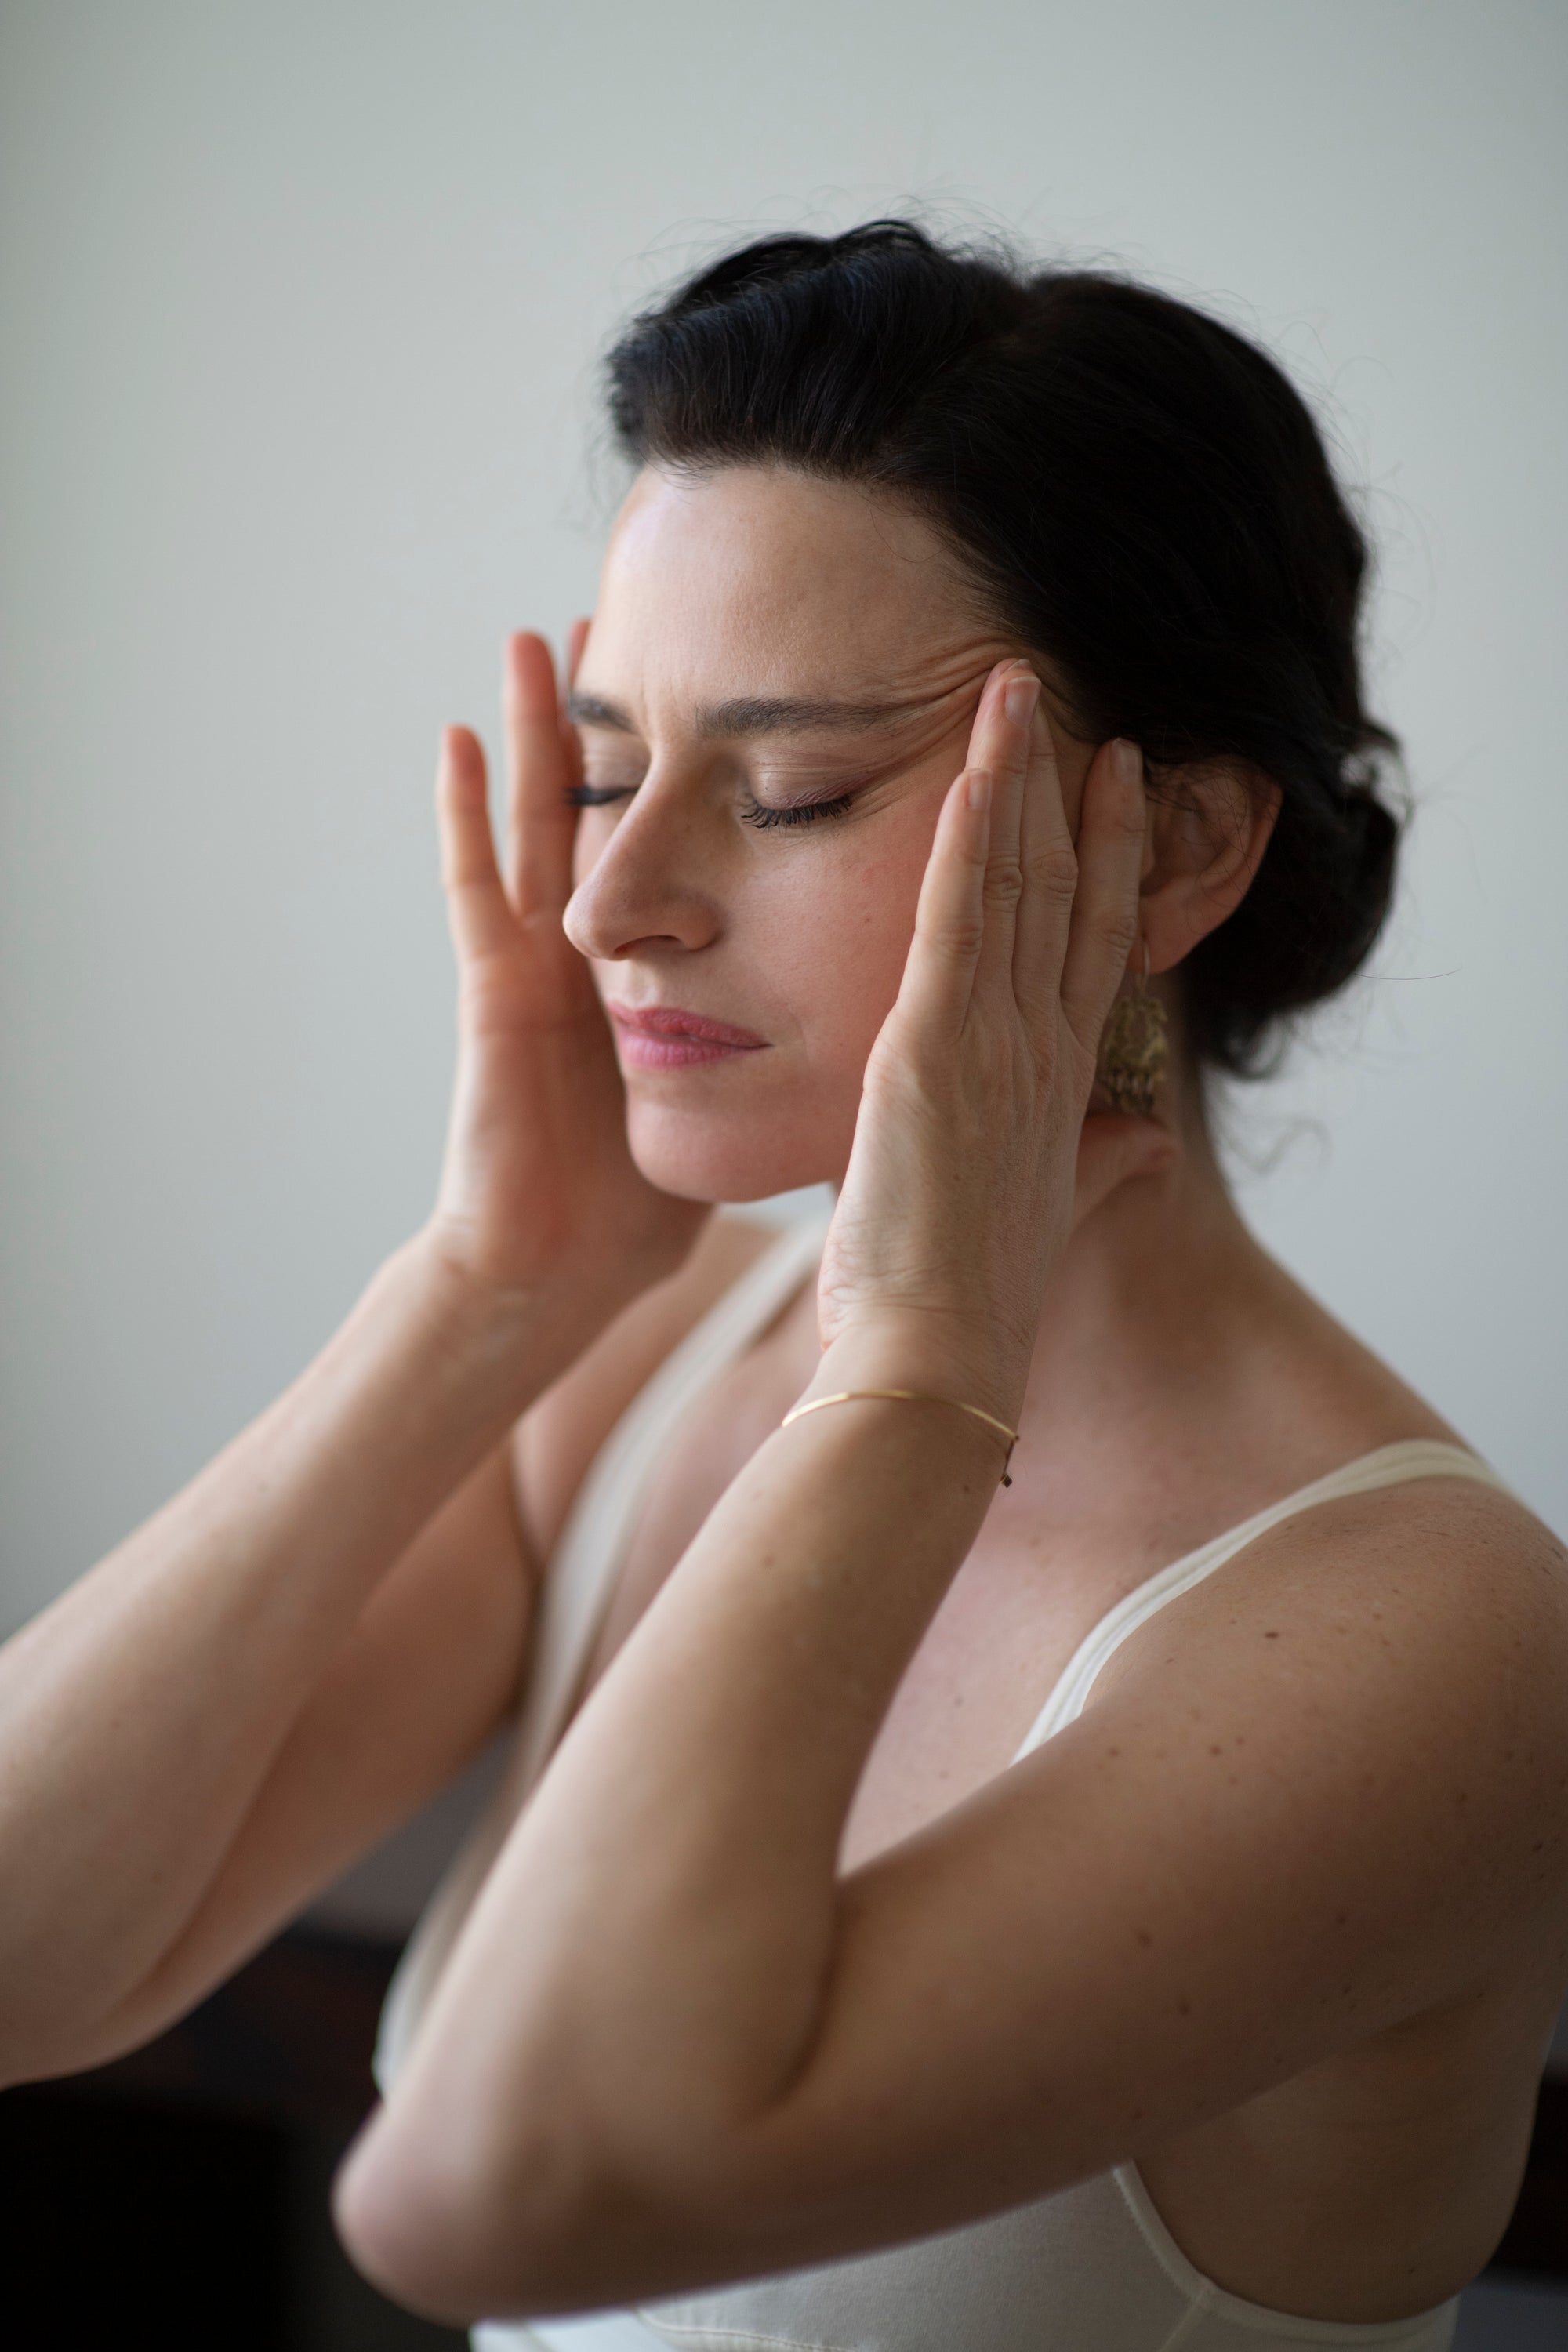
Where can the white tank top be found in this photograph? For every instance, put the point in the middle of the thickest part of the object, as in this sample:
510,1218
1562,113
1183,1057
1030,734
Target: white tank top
1088,2269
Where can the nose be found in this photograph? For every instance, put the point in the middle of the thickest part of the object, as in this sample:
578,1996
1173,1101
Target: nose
645,892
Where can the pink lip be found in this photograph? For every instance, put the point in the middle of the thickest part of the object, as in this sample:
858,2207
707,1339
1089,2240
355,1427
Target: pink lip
663,1037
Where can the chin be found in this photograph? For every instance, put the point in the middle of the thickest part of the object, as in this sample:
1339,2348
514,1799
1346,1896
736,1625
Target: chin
728,1158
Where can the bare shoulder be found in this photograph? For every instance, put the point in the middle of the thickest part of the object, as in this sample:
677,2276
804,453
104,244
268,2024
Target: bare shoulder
555,1441
1406,1650
1447,1572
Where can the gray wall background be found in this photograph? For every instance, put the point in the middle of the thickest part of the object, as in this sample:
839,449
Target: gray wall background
302,305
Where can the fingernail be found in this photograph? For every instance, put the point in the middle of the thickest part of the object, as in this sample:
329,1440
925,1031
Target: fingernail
1020,694
1129,760
978,790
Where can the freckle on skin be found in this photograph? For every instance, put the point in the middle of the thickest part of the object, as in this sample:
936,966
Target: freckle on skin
1271,1637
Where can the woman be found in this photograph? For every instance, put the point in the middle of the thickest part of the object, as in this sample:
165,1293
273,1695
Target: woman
1053,1825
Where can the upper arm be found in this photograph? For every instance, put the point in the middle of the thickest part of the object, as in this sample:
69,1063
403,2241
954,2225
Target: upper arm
1323,1794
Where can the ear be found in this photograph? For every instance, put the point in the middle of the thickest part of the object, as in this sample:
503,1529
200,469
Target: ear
1209,825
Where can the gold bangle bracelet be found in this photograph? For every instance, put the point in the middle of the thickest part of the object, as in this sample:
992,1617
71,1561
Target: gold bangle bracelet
911,1396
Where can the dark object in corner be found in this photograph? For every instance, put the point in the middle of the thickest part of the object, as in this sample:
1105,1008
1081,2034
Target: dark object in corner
176,2201
1536,2238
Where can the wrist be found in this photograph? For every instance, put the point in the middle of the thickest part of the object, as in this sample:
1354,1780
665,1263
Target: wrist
511,1338
955,1361
589,1290
921,1404
597,1275
450,1315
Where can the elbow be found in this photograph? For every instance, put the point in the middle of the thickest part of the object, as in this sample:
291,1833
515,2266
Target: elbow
46,2048
420,2222
460,2234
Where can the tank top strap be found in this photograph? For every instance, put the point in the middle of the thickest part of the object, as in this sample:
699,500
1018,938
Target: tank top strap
594,1543
1388,1466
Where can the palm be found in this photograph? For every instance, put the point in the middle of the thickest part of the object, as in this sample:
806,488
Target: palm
538,1178
973,1155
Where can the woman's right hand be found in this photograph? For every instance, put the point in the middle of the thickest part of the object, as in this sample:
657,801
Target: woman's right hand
538,1187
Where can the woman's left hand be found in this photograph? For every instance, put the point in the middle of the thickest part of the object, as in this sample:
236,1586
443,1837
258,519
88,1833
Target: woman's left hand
972,1160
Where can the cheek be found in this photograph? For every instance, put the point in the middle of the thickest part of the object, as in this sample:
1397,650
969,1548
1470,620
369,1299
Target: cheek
841,944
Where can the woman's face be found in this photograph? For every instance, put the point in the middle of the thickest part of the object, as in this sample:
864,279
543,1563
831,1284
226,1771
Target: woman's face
775,694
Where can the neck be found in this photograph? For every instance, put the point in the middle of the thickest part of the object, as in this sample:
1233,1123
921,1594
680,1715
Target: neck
1155,1315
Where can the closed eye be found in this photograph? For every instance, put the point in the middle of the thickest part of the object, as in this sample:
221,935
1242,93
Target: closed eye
796,813
596,795
765,818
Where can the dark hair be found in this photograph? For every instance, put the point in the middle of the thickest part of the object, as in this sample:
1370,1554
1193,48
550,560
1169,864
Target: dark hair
1140,494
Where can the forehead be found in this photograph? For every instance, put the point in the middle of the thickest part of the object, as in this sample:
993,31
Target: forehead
776,579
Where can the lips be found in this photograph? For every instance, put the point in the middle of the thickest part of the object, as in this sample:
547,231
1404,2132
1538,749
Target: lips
666,1037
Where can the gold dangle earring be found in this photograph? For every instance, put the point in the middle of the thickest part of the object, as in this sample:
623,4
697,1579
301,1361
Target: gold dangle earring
1133,1048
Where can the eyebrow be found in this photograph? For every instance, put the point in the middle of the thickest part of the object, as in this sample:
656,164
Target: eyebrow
751,715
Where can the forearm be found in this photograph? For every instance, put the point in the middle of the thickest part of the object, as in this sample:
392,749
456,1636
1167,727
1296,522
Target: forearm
141,1713
654,1954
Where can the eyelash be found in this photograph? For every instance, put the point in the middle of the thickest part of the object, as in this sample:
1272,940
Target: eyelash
802,813
763,819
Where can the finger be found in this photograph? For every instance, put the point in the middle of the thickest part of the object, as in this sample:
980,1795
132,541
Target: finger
999,747
478,908
1050,876
1104,925
541,824
577,639
949,921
